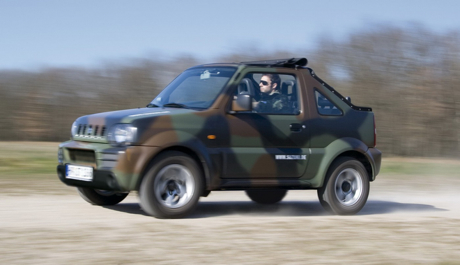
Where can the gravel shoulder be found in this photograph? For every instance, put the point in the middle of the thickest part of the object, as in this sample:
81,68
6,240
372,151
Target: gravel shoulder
407,220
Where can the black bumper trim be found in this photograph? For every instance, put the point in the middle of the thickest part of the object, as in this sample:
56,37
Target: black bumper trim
102,179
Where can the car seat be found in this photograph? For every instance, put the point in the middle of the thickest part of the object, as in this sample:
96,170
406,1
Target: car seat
289,88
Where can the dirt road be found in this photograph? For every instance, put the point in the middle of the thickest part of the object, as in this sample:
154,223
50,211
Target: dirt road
402,223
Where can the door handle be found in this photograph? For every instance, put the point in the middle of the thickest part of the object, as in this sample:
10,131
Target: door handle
296,127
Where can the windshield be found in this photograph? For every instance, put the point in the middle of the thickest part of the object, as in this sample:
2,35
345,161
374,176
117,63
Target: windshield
195,88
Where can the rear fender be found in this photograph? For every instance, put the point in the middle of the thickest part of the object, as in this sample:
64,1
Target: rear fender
322,158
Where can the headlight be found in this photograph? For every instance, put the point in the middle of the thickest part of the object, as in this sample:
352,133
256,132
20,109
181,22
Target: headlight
73,130
122,134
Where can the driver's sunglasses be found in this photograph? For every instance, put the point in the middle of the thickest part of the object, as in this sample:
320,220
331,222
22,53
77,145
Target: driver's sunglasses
263,82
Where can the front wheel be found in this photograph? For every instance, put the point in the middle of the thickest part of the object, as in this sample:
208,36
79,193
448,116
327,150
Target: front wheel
172,186
101,197
346,187
266,196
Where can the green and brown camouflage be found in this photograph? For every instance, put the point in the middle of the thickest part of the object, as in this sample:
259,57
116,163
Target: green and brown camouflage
235,149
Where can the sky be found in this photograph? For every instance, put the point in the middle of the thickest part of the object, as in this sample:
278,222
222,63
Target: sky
85,33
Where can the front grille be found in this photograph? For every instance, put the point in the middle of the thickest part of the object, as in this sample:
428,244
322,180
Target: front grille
85,130
79,155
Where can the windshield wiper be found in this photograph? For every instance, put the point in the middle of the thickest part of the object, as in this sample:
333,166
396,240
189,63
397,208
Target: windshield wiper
152,106
175,105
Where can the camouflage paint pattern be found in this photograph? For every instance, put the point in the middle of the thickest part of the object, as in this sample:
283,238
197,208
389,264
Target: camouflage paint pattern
236,150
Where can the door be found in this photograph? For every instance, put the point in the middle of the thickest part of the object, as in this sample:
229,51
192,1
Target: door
267,142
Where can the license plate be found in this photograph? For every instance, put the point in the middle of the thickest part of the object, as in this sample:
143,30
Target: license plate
79,173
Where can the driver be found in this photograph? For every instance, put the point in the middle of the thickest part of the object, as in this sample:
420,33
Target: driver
271,100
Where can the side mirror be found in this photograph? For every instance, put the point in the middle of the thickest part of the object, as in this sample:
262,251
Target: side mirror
243,102
349,99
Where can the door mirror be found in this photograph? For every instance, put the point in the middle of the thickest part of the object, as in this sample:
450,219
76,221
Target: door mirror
243,102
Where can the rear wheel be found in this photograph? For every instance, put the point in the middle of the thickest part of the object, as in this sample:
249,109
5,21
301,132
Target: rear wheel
101,197
324,203
346,187
172,186
266,196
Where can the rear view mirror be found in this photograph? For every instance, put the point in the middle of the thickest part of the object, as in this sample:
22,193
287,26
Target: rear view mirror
243,102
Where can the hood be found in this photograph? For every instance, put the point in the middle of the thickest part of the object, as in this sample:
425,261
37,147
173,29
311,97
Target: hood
94,127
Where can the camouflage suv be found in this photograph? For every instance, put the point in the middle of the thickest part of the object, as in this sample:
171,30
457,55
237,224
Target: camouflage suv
215,127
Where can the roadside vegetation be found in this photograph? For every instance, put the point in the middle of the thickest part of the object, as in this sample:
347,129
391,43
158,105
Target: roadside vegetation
420,166
30,168
28,158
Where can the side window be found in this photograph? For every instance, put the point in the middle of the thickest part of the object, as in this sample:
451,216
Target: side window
272,93
325,106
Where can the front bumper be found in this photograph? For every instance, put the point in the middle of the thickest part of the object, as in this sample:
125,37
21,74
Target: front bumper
102,179
114,168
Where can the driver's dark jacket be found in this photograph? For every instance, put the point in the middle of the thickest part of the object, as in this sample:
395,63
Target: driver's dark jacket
274,102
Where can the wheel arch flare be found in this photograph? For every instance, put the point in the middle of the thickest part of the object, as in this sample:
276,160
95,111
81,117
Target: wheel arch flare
325,157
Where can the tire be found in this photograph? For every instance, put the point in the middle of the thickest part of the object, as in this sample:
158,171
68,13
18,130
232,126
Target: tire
266,196
101,197
324,203
172,186
346,187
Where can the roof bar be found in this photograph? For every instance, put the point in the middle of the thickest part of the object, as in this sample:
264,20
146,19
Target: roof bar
280,62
